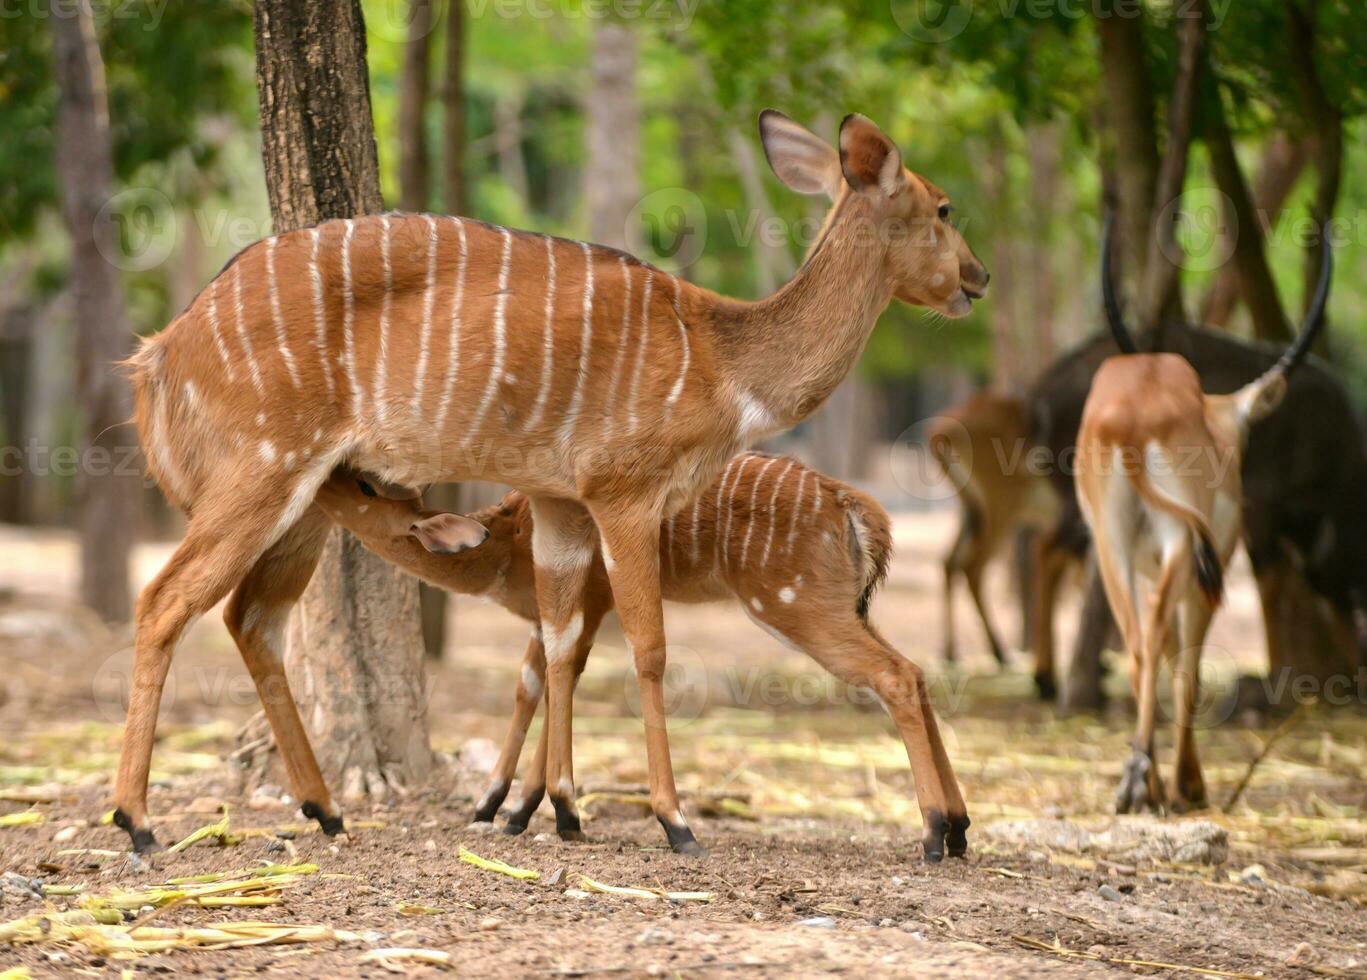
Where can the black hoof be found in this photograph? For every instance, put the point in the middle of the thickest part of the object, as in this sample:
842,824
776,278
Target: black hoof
933,837
513,829
681,839
1045,687
490,803
520,817
567,819
1134,795
144,841
332,824
956,837
575,836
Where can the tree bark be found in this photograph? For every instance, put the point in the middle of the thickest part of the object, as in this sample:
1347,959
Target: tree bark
414,89
1006,368
1244,231
354,658
614,134
1283,161
1044,151
1326,123
453,111
107,482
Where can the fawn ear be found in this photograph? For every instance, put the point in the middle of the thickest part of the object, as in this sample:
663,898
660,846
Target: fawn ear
802,160
868,159
448,534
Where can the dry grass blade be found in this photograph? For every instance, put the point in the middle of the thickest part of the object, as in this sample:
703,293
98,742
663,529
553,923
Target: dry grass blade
589,885
391,958
95,931
497,866
1277,735
218,830
24,818
1057,949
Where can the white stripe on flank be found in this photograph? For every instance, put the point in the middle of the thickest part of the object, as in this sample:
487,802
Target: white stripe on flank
731,512
716,521
585,337
677,390
797,509
429,295
754,498
816,495
382,357
773,513
348,318
640,352
621,341
453,347
496,370
669,542
319,317
276,318
547,338
242,329
218,334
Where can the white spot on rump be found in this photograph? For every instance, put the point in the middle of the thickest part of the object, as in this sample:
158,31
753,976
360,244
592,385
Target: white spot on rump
758,606
787,594
267,451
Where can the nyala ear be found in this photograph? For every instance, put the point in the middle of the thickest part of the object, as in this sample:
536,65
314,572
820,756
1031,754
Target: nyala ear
868,159
448,534
802,160
1261,398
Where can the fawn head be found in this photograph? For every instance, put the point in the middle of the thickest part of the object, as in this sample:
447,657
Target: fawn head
927,261
378,513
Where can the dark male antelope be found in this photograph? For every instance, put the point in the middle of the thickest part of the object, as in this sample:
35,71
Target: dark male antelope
426,349
801,553
1159,483
983,445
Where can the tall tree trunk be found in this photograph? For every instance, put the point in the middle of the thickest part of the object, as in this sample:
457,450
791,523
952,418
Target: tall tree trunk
355,653
512,163
108,484
773,262
1043,147
614,123
413,92
1326,124
1245,230
1006,367
453,111
1283,160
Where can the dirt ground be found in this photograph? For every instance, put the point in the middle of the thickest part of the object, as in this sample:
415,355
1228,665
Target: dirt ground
798,788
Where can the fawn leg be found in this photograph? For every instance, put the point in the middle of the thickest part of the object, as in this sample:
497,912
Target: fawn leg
531,685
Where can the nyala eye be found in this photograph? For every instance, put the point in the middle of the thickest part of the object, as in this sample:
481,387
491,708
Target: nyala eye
945,209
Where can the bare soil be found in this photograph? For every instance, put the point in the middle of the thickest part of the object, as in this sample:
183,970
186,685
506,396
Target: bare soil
814,869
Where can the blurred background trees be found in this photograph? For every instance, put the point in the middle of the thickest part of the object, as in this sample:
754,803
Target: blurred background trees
638,130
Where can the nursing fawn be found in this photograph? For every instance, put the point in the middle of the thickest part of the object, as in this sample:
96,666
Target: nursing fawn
1158,479
801,553
426,349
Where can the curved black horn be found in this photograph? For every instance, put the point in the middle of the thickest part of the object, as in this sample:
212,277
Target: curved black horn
1119,331
1314,317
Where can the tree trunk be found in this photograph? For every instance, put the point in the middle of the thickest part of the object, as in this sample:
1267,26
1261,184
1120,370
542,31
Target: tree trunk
413,91
1244,231
1283,161
512,163
1006,368
354,658
1043,147
614,134
453,111
108,482
1160,305
1326,124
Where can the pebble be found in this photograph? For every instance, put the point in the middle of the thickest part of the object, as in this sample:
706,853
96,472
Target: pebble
429,845
1108,893
64,835
818,922
138,863
490,924
655,937
556,876
1303,955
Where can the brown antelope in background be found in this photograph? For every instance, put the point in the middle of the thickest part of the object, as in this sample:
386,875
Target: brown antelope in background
1159,483
800,552
983,446
427,349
